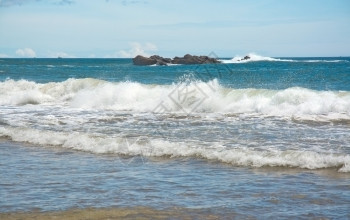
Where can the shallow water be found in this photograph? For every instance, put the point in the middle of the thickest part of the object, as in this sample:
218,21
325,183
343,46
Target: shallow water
51,179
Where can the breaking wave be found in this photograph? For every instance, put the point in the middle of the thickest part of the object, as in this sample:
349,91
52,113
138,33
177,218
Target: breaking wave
194,96
159,148
254,58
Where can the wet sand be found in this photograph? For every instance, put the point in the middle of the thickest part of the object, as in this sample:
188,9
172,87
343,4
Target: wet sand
111,213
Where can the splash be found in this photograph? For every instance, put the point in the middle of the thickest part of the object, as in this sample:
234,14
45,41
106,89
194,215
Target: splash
253,58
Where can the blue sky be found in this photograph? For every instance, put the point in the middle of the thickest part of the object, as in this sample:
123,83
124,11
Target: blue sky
124,28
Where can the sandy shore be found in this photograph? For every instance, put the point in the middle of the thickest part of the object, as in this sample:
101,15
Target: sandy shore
110,213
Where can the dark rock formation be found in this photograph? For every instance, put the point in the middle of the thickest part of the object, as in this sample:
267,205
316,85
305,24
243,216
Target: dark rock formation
189,59
143,61
158,60
161,61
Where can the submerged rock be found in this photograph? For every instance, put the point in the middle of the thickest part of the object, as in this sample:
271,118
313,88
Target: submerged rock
245,58
158,60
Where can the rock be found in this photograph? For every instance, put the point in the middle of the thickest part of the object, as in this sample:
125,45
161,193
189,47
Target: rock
200,59
143,61
187,59
161,61
245,58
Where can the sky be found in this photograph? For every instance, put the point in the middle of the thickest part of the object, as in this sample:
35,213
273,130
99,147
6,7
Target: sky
126,28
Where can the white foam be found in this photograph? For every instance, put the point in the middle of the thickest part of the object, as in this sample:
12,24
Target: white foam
156,148
193,96
27,92
253,58
324,61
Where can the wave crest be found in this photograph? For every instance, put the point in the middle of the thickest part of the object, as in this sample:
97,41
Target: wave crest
255,58
158,148
187,97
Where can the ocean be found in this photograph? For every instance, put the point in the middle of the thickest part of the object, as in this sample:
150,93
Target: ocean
263,138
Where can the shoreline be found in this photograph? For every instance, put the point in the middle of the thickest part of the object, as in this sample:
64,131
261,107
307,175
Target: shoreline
114,213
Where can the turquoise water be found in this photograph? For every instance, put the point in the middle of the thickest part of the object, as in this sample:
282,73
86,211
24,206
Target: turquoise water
265,138
312,73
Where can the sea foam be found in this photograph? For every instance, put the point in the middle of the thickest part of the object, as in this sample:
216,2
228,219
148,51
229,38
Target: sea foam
253,57
242,156
190,97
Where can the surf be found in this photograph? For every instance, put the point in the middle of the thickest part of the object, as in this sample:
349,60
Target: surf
193,96
153,147
253,57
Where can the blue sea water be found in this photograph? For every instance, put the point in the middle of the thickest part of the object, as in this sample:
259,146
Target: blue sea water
268,137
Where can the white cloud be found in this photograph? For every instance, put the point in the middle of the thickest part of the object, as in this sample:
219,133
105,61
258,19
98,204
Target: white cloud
137,49
26,52
2,55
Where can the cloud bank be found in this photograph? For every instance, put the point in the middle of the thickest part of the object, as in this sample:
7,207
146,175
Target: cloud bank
138,49
26,52
2,55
